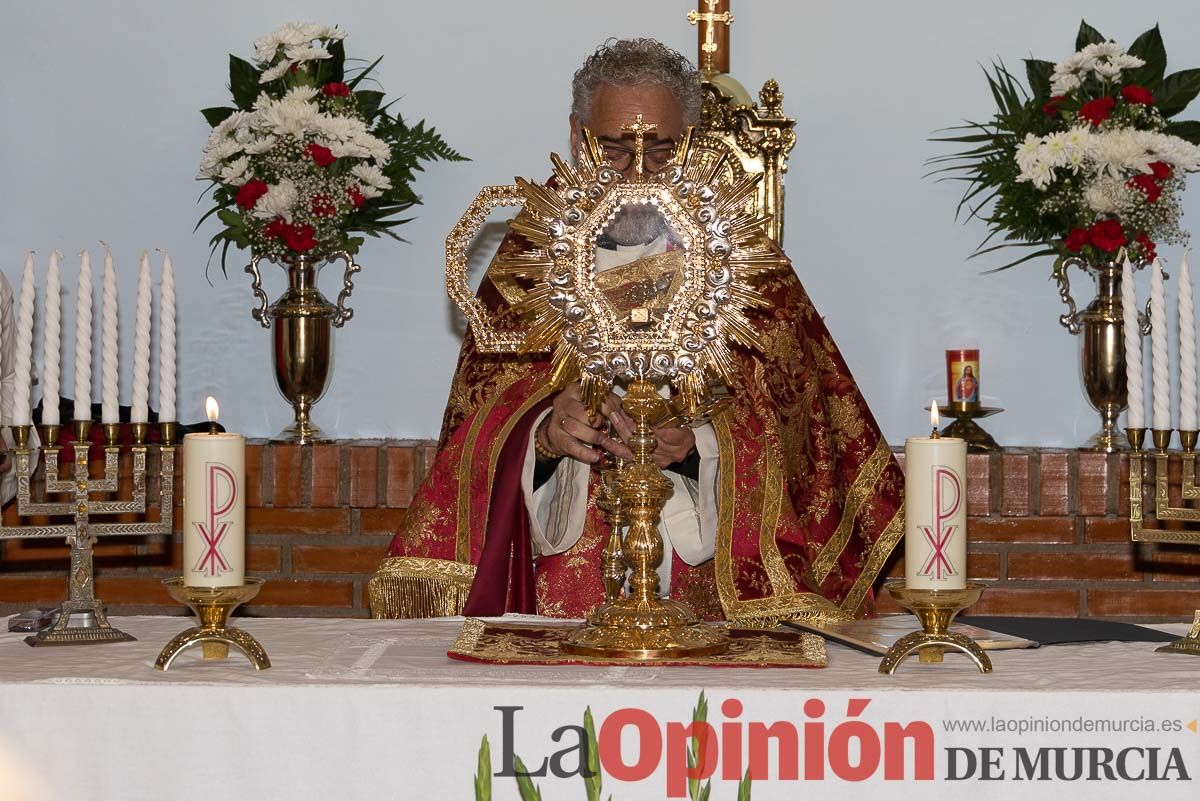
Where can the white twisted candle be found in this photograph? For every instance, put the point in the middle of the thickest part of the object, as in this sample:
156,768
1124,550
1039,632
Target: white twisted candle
83,340
23,361
110,366
1187,351
52,341
166,344
1158,350
1136,416
139,412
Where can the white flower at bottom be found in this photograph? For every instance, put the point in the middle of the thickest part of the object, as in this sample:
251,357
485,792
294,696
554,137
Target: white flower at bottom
235,173
371,175
278,201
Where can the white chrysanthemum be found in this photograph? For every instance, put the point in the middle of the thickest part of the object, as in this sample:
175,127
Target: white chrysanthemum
287,117
216,153
299,54
1064,84
369,192
345,149
1127,62
301,94
260,145
1027,152
236,172
278,201
1107,70
293,34
1101,195
371,176
1102,50
275,73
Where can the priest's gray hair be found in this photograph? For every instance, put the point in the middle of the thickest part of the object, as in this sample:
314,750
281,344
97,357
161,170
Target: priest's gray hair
637,62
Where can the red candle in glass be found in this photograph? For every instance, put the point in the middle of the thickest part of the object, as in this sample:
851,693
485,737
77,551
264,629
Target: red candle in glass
962,376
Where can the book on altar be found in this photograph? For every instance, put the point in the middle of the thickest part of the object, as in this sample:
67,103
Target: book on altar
876,635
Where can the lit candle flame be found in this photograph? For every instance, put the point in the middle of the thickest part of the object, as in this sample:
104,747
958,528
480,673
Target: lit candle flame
210,406
933,415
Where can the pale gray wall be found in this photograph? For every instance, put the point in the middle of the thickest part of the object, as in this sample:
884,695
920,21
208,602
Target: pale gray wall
102,136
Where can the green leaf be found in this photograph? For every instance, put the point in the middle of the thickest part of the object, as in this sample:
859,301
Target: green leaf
483,776
592,783
217,115
243,82
1188,130
524,784
1087,35
365,72
743,791
1177,91
337,61
1038,73
368,101
231,218
1148,47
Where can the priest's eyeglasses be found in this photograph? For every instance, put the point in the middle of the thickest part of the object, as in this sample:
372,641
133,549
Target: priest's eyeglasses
657,154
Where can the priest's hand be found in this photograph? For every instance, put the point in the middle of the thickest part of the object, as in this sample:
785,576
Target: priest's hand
568,431
675,442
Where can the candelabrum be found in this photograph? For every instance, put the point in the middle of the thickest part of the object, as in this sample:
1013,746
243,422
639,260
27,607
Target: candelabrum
1161,508
76,501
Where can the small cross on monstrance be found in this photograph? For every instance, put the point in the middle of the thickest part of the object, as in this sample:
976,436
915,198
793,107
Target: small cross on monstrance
639,129
709,46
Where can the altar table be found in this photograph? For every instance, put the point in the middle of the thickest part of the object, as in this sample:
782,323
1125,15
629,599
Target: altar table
373,709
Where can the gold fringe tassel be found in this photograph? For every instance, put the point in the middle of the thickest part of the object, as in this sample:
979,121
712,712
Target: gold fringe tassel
412,587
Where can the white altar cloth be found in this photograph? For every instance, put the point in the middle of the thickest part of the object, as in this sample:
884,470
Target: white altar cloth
375,710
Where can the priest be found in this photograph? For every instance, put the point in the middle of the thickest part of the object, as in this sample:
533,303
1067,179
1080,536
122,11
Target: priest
785,505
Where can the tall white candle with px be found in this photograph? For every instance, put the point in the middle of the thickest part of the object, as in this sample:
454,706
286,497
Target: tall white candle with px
1187,351
214,507
83,340
21,408
1136,416
139,407
1158,350
52,341
110,369
935,518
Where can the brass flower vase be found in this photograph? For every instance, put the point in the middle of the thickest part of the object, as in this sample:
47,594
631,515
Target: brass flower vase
1101,345
302,323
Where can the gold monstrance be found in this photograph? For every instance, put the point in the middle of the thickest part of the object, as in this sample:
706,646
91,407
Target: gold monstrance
609,325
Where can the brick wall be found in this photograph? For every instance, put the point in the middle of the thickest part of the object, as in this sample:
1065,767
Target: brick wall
1048,530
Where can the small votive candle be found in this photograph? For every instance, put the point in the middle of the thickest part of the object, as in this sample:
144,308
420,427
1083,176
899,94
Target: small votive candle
962,376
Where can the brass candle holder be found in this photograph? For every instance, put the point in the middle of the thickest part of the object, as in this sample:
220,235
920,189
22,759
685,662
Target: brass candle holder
1161,509
936,610
213,607
964,426
81,618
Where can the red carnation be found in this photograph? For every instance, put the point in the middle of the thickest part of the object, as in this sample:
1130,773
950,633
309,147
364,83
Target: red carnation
321,155
355,196
1138,95
300,238
250,192
1076,240
1052,105
277,229
1107,235
1148,185
1148,247
336,89
1160,170
1098,110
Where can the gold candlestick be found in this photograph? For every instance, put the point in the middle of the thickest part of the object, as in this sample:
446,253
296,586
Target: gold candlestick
935,609
1160,507
212,607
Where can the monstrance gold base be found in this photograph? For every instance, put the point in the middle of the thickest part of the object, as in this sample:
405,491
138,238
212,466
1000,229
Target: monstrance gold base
626,628
213,606
1189,644
935,609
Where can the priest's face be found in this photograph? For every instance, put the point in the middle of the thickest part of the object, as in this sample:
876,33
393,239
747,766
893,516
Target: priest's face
616,106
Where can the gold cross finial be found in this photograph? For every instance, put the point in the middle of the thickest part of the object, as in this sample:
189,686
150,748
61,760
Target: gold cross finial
639,129
710,19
